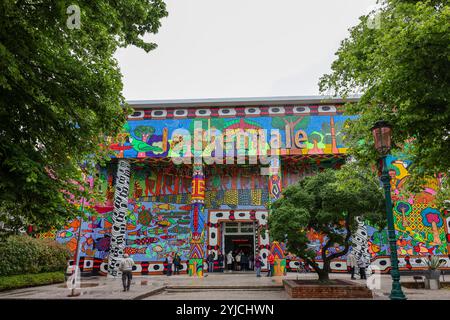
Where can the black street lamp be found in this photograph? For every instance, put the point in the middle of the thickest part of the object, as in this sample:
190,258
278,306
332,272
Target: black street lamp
382,133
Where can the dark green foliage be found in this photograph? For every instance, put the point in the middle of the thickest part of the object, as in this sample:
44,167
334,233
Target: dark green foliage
400,62
60,96
327,203
30,280
21,254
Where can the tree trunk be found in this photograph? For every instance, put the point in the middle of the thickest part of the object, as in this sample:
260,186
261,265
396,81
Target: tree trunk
324,273
323,276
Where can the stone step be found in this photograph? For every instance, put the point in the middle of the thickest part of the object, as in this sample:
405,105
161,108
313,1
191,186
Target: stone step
226,287
222,290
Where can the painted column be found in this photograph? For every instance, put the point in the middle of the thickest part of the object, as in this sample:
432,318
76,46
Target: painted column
275,189
275,179
119,217
280,259
360,242
198,220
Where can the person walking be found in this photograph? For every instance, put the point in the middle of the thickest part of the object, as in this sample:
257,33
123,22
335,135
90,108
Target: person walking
238,261
230,260
165,266
220,260
351,264
362,268
244,262
271,266
408,262
169,264
176,264
251,261
307,267
210,260
258,264
126,266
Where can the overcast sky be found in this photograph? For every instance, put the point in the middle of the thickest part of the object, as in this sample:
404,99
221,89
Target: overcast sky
239,48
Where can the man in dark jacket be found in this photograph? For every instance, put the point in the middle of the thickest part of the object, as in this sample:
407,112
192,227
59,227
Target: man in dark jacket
220,260
210,260
244,262
176,264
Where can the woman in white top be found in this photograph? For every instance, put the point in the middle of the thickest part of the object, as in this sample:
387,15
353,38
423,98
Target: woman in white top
230,261
238,261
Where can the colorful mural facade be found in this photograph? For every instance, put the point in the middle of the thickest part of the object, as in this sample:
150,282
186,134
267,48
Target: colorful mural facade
174,205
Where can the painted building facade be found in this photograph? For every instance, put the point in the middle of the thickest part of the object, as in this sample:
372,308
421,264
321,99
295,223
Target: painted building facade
196,177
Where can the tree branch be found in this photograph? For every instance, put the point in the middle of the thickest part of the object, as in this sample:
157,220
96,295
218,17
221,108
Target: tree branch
346,241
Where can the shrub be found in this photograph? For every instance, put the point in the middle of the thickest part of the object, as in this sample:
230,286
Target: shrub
21,254
30,280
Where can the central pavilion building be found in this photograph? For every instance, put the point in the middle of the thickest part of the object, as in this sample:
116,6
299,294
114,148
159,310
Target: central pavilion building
197,176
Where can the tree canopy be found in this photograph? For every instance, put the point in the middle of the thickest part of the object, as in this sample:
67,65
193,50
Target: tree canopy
398,58
60,96
327,204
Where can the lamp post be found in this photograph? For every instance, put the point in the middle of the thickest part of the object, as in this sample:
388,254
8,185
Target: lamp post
76,270
382,132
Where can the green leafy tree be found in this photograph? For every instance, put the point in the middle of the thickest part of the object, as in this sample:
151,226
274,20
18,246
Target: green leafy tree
398,58
144,132
326,203
60,96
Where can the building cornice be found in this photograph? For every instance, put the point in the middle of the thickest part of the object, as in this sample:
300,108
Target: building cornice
234,102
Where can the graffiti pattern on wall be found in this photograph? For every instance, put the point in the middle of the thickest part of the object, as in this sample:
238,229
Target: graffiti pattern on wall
420,227
297,134
156,229
161,207
232,187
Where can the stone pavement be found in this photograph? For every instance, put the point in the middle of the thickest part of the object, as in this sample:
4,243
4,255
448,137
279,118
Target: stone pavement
215,286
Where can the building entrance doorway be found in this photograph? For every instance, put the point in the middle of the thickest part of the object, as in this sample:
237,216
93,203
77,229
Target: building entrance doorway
239,238
238,243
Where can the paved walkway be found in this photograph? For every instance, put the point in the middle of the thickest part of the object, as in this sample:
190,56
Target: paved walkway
214,286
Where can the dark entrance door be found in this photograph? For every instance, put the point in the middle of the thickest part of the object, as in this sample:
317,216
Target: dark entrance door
239,242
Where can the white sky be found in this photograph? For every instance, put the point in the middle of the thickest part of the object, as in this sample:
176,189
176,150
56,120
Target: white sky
240,48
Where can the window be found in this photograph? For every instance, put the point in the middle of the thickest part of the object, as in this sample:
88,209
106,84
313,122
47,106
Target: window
231,227
247,227
239,227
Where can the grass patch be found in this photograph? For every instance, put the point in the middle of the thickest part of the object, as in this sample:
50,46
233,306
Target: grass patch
30,280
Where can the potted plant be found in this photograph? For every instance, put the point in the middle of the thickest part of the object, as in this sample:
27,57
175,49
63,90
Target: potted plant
433,274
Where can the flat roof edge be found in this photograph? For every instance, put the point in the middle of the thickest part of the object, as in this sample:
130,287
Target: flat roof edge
229,102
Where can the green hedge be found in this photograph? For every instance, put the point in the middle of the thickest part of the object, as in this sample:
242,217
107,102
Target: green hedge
30,280
24,255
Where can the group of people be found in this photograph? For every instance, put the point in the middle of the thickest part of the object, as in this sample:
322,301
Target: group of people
237,261
240,261
173,262
211,258
353,263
